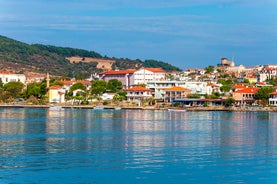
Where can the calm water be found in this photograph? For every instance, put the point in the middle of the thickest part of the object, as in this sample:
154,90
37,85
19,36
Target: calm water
133,146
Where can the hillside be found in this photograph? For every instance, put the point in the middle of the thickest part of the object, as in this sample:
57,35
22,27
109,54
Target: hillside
63,61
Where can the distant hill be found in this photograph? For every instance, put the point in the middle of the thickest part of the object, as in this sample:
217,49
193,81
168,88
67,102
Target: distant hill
64,61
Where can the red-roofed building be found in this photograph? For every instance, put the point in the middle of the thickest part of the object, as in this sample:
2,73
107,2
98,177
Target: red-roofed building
176,92
246,95
125,76
144,75
138,93
68,83
238,87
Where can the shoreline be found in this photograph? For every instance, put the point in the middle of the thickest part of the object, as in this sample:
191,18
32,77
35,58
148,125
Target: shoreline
190,109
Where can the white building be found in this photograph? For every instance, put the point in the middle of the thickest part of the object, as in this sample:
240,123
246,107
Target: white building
144,75
136,94
6,77
269,72
195,87
273,99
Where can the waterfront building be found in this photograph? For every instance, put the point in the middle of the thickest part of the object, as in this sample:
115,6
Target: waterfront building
6,77
159,86
201,88
245,96
56,94
176,92
138,93
125,76
273,99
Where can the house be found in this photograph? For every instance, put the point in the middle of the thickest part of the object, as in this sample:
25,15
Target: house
213,88
159,86
176,92
269,72
252,79
273,99
144,75
138,93
6,77
201,88
238,87
56,94
245,96
125,76
107,96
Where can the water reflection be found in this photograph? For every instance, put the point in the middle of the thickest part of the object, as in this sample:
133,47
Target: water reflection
148,141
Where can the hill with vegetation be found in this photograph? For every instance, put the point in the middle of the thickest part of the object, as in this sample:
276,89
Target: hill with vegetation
21,57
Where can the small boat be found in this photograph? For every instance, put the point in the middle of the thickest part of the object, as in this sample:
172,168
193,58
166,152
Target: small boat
177,109
117,108
98,107
55,107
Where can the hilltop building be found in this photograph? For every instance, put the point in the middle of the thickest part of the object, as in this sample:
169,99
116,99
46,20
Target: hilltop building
226,63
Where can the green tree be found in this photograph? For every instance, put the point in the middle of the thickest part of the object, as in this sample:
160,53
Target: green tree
225,88
210,69
98,87
36,89
55,82
263,93
78,85
114,85
246,81
226,84
14,88
229,102
194,96
273,81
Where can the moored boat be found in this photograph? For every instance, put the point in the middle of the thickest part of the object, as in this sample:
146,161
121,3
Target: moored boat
177,109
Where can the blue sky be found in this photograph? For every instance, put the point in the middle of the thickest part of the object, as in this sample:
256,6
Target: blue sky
185,33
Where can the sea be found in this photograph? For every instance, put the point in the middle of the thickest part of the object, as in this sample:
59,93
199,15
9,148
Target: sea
95,146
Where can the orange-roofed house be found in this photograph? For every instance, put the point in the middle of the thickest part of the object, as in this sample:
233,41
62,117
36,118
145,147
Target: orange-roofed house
176,92
138,93
246,95
238,87
144,75
125,76
56,94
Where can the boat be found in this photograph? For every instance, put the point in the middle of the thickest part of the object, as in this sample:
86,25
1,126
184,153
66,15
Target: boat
117,108
98,107
177,109
55,107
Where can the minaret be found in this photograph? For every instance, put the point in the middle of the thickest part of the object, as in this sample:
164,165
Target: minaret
47,81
